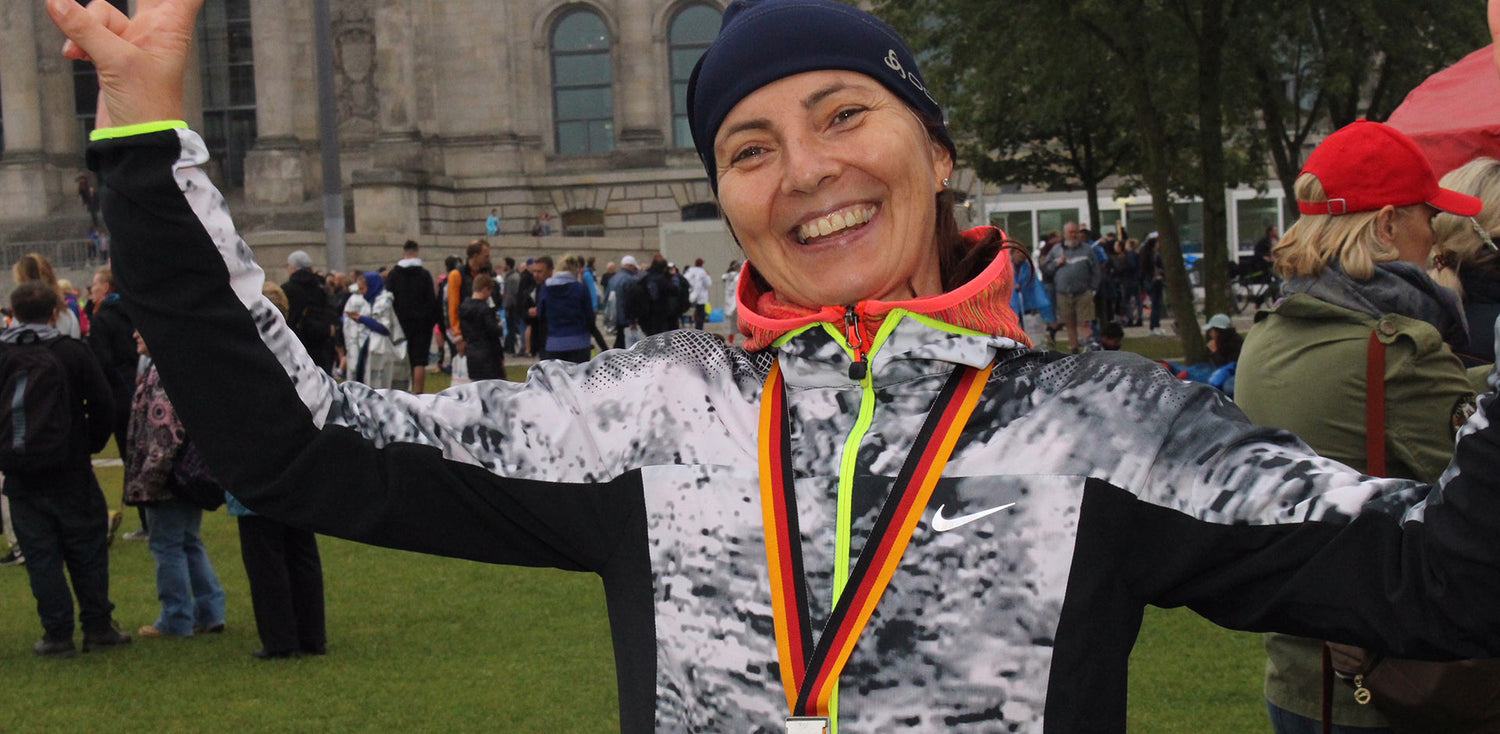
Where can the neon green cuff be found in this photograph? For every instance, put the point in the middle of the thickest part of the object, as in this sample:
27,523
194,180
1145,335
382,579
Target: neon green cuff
144,128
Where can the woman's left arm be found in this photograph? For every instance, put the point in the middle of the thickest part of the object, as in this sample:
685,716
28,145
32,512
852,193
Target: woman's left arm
1250,528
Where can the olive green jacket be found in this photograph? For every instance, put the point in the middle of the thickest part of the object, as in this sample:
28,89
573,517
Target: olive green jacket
1303,369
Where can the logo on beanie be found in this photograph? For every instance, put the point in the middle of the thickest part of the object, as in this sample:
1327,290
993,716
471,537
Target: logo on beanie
894,62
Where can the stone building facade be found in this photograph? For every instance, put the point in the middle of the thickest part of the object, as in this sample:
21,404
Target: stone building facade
447,109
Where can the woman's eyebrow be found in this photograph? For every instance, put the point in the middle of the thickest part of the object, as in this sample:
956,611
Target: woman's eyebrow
824,93
759,123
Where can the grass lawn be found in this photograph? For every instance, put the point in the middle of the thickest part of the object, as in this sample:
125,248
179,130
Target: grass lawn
420,643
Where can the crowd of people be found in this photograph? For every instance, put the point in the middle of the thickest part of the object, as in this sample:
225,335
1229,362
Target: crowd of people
386,327
74,375
1086,282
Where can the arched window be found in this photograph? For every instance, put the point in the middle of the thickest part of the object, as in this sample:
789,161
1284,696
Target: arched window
691,32
228,85
583,107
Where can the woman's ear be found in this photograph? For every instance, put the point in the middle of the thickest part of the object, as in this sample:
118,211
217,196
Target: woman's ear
1385,225
942,162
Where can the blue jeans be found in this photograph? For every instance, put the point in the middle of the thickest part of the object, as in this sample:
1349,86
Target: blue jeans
186,584
1286,722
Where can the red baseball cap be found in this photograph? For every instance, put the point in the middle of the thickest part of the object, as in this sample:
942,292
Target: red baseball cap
1369,165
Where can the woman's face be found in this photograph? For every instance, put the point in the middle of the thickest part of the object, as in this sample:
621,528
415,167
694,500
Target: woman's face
828,181
1410,231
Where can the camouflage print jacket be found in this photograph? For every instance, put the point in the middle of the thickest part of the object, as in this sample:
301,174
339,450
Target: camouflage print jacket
1122,487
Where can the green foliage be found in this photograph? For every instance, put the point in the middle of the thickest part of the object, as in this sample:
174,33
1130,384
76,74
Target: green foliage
1182,98
1025,107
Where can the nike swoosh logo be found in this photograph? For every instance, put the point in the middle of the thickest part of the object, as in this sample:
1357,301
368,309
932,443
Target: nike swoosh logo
942,524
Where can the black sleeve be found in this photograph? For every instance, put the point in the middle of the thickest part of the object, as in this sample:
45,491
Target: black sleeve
238,378
1418,581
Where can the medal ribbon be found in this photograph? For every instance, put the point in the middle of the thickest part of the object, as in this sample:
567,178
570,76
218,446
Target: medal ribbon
810,673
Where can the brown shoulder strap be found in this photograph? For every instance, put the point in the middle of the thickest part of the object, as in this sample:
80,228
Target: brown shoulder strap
1374,466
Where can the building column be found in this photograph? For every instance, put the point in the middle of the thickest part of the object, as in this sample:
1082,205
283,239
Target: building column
640,141
23,169
274,172
387,198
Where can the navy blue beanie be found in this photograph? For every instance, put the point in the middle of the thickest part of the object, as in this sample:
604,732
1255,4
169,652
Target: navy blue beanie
762,41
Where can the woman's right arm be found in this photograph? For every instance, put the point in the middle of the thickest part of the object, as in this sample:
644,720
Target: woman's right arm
491,471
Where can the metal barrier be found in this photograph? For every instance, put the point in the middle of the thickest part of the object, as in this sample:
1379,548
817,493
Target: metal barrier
62,255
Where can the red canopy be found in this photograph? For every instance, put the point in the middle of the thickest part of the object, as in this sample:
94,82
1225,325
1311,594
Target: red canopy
1455,115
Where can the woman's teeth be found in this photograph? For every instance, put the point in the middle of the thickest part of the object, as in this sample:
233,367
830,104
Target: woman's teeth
835,222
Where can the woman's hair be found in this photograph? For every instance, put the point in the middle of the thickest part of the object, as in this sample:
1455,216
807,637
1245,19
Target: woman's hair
958,261
1227,343
572,263
277,297
1459,243
1317,239
35,267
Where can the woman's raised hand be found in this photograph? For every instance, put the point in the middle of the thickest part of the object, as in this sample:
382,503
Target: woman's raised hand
141,60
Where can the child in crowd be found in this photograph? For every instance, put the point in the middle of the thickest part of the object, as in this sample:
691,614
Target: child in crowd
481,330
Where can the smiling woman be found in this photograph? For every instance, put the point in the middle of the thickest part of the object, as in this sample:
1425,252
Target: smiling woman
829,183
885,512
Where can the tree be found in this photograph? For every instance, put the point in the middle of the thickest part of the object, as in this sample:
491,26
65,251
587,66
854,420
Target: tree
1328,63
1023,117
1204,89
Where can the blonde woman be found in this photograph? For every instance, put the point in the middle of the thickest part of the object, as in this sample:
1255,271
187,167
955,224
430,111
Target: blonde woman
1354,266
33,266
564,307
1465,258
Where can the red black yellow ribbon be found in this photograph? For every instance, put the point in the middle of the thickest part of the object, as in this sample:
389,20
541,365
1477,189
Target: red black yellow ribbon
810,672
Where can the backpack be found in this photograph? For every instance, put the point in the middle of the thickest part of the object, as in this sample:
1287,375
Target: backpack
36,406
637,300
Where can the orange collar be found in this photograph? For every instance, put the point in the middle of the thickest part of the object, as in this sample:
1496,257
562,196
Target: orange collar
982,304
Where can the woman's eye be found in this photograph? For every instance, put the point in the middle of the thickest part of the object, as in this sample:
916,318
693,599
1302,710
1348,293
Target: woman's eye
747,153
846,114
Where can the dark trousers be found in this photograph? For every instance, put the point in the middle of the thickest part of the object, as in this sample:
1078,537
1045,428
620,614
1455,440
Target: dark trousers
700,313
486,364
1155,291
66,529
576,356
597,336
286,585
515,329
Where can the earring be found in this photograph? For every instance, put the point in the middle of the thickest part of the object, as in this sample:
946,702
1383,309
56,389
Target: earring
945,183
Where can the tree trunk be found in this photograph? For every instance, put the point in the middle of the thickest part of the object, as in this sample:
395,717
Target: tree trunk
1214,269
1286,155
1179,288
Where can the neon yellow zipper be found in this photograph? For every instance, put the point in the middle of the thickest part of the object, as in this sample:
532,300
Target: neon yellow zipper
844,523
